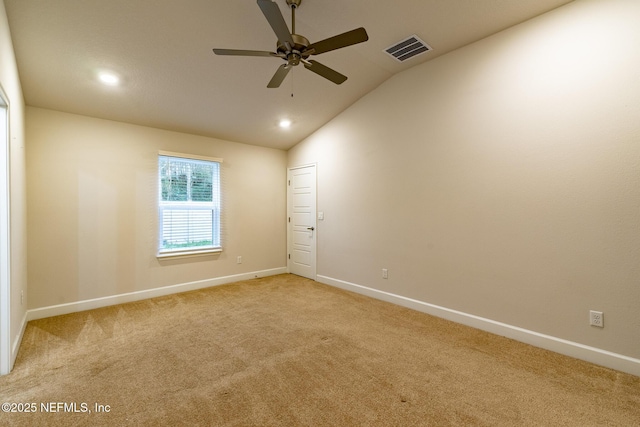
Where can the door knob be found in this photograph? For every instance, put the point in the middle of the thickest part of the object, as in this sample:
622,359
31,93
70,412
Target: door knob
311,228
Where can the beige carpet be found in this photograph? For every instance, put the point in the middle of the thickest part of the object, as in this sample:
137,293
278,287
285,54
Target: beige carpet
286,351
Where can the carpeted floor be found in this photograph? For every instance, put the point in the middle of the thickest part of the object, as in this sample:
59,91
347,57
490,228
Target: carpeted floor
287,351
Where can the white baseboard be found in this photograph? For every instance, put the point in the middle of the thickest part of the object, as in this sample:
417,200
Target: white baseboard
57,310
594,355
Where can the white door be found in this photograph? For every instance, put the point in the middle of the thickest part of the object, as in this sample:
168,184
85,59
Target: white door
302,221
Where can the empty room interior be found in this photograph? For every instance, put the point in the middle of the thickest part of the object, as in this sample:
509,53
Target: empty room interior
412,172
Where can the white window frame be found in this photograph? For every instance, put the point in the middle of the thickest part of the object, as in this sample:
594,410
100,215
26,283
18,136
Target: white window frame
193,206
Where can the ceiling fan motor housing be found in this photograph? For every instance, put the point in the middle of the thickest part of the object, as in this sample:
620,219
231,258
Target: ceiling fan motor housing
297,51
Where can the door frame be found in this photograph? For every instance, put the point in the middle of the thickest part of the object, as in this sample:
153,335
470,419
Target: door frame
5,237
289,214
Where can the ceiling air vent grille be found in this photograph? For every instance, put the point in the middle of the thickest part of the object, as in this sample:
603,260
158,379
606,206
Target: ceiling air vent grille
408,48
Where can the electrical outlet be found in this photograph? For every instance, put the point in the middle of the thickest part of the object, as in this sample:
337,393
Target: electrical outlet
596,318
239,260
385,273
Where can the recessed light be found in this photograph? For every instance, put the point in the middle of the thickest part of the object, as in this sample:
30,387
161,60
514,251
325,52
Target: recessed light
109,79
285,123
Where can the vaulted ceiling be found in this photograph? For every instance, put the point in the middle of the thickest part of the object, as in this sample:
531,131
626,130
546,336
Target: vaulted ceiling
170,79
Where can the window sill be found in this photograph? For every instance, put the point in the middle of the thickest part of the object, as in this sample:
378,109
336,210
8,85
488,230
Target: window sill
189,253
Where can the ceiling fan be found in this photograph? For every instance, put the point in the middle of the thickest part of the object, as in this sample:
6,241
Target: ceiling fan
294,48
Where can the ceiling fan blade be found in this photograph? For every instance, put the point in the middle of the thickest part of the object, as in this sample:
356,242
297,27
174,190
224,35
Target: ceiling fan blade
326,72
238,52
279,76
349,38
272,12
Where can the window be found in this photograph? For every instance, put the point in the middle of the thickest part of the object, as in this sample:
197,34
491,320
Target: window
188,204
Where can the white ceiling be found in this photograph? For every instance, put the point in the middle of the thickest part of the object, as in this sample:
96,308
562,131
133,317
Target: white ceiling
162,50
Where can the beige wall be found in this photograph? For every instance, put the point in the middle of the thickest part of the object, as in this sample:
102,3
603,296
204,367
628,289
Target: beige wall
92,195
501,180
10,82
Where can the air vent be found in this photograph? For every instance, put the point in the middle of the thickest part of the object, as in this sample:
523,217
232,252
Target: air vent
408,48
